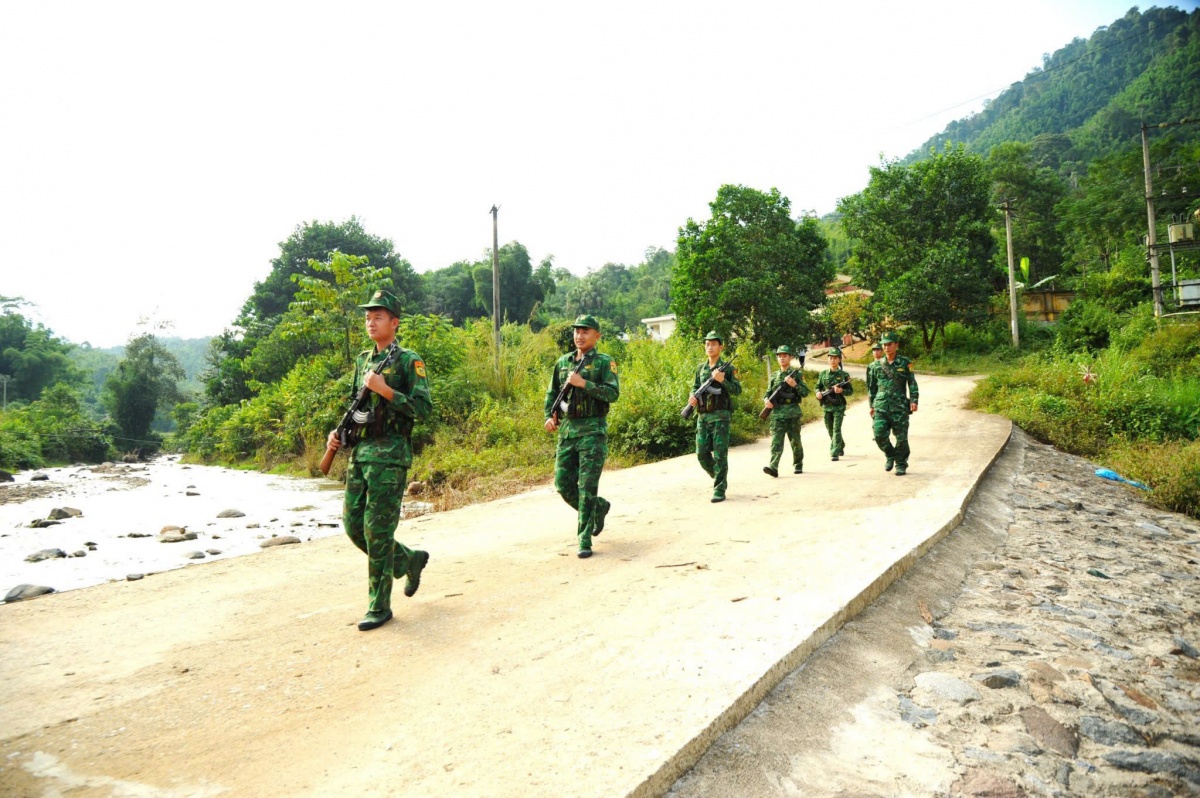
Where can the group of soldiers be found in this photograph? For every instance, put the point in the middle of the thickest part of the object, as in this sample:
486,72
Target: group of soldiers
583,386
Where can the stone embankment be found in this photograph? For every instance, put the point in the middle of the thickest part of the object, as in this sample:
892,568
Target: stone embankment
1047,647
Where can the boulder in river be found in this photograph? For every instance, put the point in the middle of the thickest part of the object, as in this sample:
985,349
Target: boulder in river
46,554
231,514
281,540
59,513
22,592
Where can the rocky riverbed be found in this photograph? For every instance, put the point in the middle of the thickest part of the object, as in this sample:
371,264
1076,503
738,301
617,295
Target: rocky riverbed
72,527
1046,647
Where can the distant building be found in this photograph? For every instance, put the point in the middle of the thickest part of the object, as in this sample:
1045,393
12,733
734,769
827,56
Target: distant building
660,327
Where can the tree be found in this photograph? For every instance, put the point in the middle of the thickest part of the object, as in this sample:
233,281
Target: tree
922,241
1034,192
520,291
32,357
750,270
450,292
145,381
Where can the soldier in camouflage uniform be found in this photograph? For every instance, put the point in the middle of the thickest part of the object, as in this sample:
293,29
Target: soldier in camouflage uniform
715,410
785,413
583,428
378,471
877,354
890,406
832,396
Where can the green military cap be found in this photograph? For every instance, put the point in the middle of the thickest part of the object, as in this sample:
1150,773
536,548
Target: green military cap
877,345
835,352
385,299
783,350
713,336
889,338
587,321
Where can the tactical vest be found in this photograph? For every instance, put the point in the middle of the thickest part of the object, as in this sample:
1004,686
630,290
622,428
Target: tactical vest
579,404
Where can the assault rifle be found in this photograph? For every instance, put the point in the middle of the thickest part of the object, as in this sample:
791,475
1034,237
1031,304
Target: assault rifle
698,394
349,430
774,397
560,402
823,395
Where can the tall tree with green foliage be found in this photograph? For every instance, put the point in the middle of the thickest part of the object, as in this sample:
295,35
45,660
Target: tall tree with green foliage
1033,192
750,270
922,240
521,289
32,357
144,382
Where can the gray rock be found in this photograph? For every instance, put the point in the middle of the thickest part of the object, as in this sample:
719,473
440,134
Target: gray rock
281,540
980,784
6,477
194,555
1156,762
134,577
23,592
1108,732
176,537
80,553
191,493
942,688
59,513
139,535
42,523
231,514
1048,732
46,554
40,478
1185,648
1001,677
918,717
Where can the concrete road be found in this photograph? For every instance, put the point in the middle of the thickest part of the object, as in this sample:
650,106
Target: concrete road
517,670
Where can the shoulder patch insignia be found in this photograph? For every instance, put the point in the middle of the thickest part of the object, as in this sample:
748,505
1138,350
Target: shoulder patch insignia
419,367
612,365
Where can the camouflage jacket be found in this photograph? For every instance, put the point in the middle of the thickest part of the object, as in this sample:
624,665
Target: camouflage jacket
787,404
389,440
829,378
722,398
891,383
587,407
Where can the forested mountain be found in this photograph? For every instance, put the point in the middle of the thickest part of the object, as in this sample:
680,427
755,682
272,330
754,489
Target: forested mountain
1089,98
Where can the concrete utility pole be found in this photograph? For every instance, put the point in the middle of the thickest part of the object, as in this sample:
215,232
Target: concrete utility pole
496,282
1151,238
1012,277
4,378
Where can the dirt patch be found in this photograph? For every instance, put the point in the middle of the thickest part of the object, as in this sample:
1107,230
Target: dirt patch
17,492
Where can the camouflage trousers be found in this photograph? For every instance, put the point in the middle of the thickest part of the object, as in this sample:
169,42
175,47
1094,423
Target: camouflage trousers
577,468
892,422
712,448
791,428
370,513
833,425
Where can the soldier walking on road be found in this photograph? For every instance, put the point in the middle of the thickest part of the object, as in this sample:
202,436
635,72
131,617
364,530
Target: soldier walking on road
582,426
893,397
715,410
785,411
833,386
872,378
378,471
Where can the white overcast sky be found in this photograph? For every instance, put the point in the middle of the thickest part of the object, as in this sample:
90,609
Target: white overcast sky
153,155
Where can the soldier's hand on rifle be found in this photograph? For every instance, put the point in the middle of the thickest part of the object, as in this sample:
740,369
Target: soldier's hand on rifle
378,384
791,381
837,389
552,424
332,442
719,375
576,380
768,404
693,401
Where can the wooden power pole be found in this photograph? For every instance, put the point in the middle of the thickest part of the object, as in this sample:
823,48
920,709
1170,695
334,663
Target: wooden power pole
1012,277
1151,238
496,282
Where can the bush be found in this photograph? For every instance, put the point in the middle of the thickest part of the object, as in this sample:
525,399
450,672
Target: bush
1171,470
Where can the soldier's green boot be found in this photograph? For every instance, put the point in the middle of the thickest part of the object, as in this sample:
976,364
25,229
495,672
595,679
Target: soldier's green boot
416,565
601,514
374,620
901,470
887,466
718,497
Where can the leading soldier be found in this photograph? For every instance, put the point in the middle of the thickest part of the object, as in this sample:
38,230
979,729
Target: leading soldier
715,412
582,427
378,471
893,395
